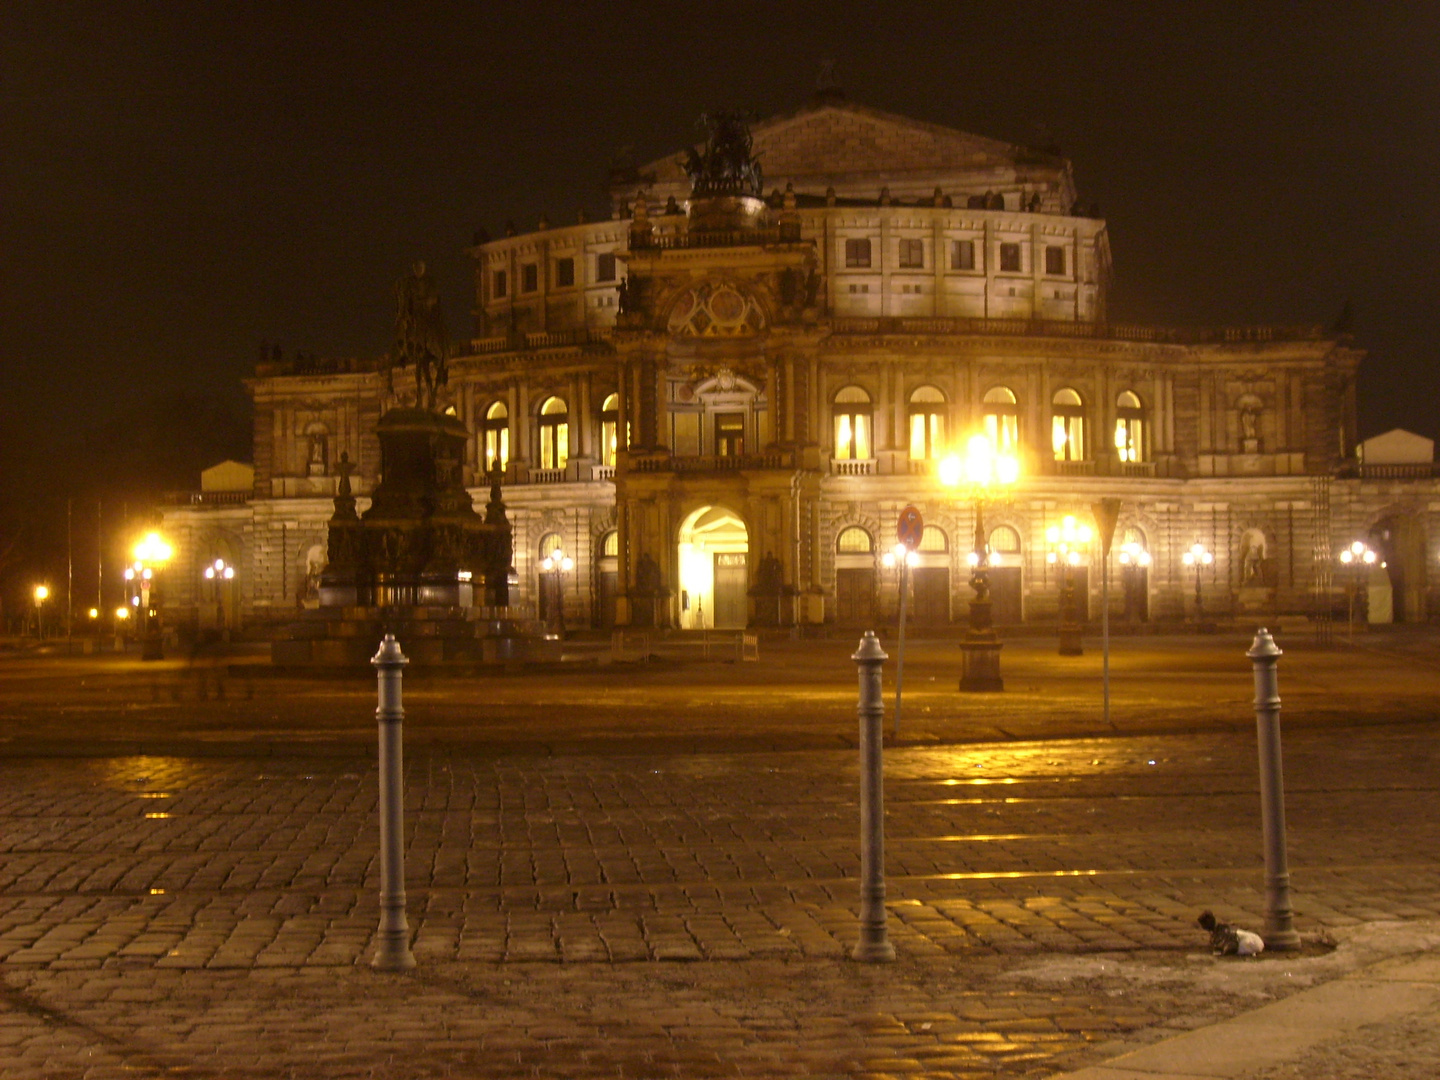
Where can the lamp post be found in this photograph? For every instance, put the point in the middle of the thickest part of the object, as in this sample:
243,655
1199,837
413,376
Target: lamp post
1199,558
1068,543
220,574
42,593
557,563
1358,558
150,555
980,470
1134,560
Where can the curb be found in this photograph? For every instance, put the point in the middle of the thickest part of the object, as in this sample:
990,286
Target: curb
1403,982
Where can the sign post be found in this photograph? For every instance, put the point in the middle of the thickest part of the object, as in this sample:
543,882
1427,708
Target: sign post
908,531
1107,513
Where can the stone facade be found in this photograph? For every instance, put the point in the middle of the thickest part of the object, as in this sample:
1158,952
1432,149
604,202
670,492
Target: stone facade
721,428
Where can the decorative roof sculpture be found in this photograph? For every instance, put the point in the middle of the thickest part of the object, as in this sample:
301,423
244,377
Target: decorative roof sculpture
728,166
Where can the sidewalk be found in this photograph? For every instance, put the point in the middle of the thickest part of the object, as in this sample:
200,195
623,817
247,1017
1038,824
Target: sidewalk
1379,1019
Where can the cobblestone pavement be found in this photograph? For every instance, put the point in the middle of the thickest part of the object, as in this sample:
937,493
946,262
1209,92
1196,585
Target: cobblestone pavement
661,914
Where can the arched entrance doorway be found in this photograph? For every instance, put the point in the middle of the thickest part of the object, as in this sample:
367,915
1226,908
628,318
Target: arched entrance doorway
714,549
1400,542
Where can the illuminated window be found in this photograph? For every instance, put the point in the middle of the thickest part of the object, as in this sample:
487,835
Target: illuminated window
857,253
530,277
1010,258
551,543
1054,260
912,254
609,429
605,266
497,437
927,424
564,272
729,434
554,434
1067,426
1002,420
854,541
933,540
610,545
962,254
852,424
501,284
1129,427
1004,540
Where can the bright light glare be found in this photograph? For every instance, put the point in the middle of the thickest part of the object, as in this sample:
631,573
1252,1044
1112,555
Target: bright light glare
153,549
122,613
41,594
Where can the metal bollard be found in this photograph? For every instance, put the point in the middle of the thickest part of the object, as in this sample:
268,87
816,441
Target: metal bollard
1280,932
874,945
392,951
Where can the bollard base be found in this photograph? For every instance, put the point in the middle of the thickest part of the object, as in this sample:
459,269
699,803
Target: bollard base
1281,940
393,953
870,951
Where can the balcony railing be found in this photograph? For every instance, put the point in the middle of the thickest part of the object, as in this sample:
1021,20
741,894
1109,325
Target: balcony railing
206,499
899,324
1072,468
547,476
773,459
1136,468
849,467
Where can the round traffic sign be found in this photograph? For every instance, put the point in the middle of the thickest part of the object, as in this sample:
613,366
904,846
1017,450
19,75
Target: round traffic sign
910,527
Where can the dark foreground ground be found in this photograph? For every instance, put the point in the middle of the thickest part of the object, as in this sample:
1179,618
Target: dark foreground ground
650,870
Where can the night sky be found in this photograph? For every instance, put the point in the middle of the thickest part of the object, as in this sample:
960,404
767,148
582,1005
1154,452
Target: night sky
179,182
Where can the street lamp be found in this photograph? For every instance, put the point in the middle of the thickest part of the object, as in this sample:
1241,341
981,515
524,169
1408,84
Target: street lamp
1358,558
1198,557
150,555
1134,560
220,574
42,593
981,469
557,563
1068,545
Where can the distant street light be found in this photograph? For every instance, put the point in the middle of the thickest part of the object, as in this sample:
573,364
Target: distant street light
556,564
42,593
1069,544
150,555
981,469
1199,558
1358,558
1134,560
220,575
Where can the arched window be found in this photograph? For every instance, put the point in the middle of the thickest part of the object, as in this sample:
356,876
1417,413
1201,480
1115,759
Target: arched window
551,543
609,429
1002,420
1004,546
1067,426
554,434
933,540
854,541
497,437
852,424
610,545
1129,427
927,424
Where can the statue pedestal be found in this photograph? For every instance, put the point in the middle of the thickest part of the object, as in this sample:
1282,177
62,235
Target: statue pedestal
981,671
